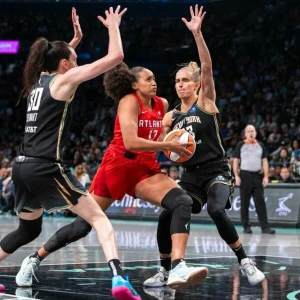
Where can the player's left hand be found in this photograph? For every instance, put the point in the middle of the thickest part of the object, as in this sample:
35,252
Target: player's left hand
197,17
76,25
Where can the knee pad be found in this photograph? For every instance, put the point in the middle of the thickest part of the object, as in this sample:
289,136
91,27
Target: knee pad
28,231
68,234
180,205
164,240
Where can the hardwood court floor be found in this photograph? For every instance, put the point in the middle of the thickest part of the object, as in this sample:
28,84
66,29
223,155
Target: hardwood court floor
79,271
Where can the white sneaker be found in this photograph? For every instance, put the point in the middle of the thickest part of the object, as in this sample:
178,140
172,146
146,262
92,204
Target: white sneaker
29,266
159,279
24,292
248,268
160,293
182,276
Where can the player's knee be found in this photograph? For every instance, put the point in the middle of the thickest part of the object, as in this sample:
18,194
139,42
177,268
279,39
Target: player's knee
28,231
215,203
176,198
212,211
180,204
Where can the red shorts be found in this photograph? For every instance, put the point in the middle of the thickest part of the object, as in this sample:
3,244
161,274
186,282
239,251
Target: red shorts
118,175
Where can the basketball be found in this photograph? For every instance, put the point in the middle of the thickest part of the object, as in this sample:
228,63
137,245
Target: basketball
184,137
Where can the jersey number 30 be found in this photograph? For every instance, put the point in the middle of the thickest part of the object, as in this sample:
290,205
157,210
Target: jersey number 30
35,99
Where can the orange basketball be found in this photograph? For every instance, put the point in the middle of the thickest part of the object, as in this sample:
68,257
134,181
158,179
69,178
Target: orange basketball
183,137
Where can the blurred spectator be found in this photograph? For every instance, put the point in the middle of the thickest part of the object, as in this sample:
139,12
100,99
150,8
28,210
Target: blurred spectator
274,139
82,175
283,145
273,176
174,173
295,147
282,160
285,176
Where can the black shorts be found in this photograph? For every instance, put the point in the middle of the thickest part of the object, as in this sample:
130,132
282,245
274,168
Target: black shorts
197,181
42,183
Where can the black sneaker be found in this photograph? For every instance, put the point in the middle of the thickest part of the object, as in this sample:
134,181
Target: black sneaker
248,230
268,231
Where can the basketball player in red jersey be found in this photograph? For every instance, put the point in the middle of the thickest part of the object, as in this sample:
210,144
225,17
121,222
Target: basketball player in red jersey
129,166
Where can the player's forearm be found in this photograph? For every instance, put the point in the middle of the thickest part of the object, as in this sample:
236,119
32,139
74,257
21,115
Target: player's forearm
140,144
115,42
203,51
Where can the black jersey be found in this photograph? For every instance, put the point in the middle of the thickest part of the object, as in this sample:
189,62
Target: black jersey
47,121
204,128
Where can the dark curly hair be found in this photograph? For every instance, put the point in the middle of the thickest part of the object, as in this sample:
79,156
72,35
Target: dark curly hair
118,81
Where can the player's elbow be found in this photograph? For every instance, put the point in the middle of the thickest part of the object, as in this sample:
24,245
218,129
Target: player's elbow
206,68
129,145
116,58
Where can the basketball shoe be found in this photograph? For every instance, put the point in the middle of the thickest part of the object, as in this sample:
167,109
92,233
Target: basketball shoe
182,276
29,266
122,289
159,279
248,268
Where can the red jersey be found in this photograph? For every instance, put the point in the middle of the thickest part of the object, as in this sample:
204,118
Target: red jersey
149,125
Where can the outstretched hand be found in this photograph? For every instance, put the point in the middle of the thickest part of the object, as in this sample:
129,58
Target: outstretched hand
76,25
197,16
112,18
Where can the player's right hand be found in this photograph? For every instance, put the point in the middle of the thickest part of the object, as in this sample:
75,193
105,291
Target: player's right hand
112,18
180,148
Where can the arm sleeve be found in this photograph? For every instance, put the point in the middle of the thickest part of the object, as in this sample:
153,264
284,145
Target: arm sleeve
264,151
237,150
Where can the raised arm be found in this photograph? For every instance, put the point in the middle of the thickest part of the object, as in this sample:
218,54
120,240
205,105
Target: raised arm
77,30
65,85
194,25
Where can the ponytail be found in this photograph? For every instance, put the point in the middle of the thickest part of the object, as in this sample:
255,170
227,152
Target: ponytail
43,56
193,68
34,65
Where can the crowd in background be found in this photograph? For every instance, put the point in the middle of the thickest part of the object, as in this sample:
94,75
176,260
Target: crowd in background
255,52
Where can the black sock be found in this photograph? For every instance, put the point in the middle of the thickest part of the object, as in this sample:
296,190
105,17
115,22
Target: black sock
115,267
240,253
176,262
166,263
36,255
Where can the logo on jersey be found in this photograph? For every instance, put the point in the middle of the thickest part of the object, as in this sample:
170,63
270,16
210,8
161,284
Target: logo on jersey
150,123
193,109
186,121
220,178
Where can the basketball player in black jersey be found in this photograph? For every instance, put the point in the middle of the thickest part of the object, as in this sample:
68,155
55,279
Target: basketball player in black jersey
208,177
42,181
